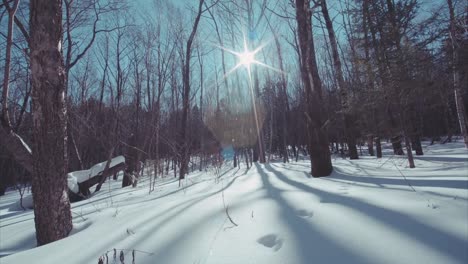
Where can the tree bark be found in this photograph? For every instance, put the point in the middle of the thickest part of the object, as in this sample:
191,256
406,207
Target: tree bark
346,116
186,95
460,106
416,145
409,152
49,183
396,145
6,77
378,147
318,139
370,144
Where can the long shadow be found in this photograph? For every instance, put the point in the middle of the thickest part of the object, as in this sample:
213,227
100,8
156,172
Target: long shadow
447,244
11,215
171,248
391,188
17,222
26,242
232,180
192,202
166,217
314,247
323,251
131,189
169,215
442,159
455,184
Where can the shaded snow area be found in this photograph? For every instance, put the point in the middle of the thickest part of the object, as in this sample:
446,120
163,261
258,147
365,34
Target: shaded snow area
369,211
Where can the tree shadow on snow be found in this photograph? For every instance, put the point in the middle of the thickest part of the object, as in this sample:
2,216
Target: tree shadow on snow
157,223
314,247
444,159
440,241
398,180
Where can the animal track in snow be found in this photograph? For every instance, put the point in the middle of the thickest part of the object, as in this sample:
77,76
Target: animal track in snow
271,241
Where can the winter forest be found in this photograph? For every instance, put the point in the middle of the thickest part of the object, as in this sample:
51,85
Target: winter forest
233,131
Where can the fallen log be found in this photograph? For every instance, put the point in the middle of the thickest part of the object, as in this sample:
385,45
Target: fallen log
79,182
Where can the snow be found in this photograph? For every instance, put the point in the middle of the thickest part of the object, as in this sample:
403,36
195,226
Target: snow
369,211
26,146
73,178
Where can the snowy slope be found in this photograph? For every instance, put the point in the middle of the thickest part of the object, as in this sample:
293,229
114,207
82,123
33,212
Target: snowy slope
368,211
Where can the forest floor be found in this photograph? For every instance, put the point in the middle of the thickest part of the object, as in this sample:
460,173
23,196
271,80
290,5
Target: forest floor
368,211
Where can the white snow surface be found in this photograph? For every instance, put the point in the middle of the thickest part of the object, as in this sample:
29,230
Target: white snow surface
368,211
76,177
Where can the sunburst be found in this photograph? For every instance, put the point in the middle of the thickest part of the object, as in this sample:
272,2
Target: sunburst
246,58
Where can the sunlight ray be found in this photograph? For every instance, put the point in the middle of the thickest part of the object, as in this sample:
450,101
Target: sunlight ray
228,50
268,66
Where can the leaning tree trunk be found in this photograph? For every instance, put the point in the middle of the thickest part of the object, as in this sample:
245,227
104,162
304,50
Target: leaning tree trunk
318,140
49,183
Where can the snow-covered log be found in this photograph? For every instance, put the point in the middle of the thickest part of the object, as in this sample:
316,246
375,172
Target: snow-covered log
79,182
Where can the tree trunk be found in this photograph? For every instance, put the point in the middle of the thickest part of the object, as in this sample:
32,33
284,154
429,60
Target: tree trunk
132,160
416,144
396,144
235,158
378,147
409,152
49,183
370,145
318,140
346,116
5,117
460,106
186,96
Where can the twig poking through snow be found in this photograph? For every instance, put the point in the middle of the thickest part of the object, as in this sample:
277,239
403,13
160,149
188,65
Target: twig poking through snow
229,217
122,257
226,208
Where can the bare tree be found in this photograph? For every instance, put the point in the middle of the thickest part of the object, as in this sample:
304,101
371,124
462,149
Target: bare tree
456,62
8,138
185,155
49,183
347,118
318,139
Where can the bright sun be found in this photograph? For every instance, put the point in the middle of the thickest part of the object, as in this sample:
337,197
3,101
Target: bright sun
246,58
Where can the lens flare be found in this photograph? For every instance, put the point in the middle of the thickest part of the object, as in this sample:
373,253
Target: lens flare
246,58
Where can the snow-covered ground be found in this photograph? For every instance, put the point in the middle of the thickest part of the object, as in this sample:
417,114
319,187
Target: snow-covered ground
369,211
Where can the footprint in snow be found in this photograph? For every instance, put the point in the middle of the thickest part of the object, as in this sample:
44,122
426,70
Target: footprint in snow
304,213
271,241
